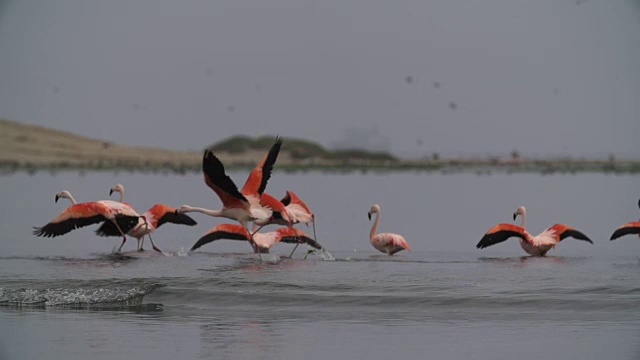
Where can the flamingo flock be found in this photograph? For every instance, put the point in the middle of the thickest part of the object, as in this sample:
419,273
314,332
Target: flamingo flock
252,204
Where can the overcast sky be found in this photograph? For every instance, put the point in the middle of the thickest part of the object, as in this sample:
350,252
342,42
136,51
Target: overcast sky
546,77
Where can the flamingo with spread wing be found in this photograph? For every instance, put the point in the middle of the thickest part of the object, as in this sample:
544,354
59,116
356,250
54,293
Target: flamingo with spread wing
537,245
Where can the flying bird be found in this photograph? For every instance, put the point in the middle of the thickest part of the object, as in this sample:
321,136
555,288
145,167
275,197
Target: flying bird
152,219
264,241
629,228
240,206
537,245
295,211
388,243
78,215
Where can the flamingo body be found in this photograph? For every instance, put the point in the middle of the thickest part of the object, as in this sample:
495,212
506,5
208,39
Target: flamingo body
388,243
88,213
537,245
235,205
280,213
155,217
263,241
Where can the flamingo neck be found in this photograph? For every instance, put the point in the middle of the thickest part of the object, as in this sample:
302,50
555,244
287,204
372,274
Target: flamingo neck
374,228
121,196
72,199
214,213
524,218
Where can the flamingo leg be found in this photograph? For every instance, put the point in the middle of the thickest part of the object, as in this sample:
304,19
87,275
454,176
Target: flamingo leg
141,244
313,222
294,249
154,245
124,238
255,247
255,231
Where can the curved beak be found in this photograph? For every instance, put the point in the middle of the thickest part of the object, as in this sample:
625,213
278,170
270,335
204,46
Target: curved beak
110,192
369,216
57,197
515,215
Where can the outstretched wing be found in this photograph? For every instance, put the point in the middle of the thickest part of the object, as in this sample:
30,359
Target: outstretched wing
176,218
223,231
500,233
626,229
257,181
563,231
296,236
74,217
125,222
216,178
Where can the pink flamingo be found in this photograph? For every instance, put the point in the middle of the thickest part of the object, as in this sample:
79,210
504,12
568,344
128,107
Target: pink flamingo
152,219
78,215
534,245
264,241
629,228
295,211
242,207
388,243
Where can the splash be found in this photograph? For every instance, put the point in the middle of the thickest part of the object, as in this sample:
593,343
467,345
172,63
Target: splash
182,252
322,253
81,296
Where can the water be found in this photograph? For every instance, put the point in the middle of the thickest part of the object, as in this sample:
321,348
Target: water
68,298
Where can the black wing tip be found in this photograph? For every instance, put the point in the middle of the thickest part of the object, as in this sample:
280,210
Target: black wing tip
624,231
484,242
577,235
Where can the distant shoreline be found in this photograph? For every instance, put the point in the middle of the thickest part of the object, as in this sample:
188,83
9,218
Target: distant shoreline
30,148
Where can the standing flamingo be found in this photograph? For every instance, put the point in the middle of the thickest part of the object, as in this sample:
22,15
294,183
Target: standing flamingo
388,243
78,215
235,205
264,241
534,245
152,219
632,227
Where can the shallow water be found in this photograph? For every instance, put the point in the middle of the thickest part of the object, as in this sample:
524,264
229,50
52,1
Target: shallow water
69,298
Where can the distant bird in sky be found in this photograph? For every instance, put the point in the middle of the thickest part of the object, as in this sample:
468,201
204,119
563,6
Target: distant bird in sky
78,215
537,245
152,219
629,228
264,241
388,243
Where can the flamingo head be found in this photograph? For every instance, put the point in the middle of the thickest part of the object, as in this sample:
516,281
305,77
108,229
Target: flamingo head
63,195
638,202
375,209
117,188
519,211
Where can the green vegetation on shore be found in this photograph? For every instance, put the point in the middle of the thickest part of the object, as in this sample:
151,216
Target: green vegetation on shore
31,148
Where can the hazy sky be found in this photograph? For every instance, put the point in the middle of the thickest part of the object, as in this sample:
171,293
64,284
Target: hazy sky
541,76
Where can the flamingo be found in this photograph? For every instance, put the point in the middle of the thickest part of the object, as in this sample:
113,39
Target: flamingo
264,241
78,215
296,212
388,243
152,219
534,245
242,207
632,227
